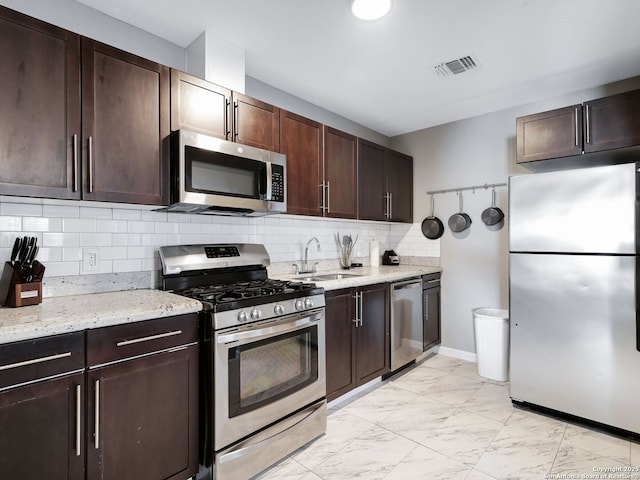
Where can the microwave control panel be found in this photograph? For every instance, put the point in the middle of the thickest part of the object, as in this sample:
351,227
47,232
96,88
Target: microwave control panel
277,183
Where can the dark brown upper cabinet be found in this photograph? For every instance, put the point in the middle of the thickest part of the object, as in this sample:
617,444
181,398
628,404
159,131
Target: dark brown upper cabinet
340,174
39,108
594,127
204,107
255,123
553,134
199,106
612,122
385,183
301,141
125,126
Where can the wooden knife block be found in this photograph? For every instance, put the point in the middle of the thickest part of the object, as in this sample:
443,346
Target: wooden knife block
16,293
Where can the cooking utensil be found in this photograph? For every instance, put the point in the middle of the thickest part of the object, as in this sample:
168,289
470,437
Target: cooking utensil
17,244
432,226
459,222
492,215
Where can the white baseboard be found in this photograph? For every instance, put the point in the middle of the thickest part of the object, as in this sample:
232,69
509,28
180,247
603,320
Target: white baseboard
461,354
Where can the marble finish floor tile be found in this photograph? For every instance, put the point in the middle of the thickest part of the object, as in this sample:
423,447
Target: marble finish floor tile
601,443
440,420
518,454
463,436
572,460
370,456
424,463
491,401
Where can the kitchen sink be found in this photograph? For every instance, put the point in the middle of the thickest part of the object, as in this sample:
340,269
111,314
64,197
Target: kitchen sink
328,276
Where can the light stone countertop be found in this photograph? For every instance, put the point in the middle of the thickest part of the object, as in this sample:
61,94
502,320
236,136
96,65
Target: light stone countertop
365,275
79,312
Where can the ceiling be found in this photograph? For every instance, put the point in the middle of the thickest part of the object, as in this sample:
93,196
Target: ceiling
380,73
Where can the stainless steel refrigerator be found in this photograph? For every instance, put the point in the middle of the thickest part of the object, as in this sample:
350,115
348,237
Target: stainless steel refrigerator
573,266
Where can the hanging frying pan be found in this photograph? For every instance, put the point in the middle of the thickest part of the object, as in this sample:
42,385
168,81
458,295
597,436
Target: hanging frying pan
432,227
459,222
492,215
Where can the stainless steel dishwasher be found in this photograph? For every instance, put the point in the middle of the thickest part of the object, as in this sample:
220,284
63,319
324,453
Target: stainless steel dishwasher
406,321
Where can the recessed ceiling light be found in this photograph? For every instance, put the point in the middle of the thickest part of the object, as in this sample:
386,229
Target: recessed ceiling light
370,9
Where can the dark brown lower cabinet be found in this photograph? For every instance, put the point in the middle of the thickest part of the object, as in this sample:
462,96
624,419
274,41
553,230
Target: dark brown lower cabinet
142,411
431,310
38,430
357,335
42,418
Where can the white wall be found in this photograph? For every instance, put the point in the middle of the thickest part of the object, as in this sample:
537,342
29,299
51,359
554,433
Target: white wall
474,152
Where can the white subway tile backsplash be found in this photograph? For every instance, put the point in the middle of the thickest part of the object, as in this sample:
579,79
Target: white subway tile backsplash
124,214
21,209
60,240
61,211
127,239
95,239
10,224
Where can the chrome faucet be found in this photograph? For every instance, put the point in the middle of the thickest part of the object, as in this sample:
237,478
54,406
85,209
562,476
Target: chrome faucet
304,268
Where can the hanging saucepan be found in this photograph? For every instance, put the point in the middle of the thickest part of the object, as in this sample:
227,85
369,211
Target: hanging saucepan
459,222
432,227
492,215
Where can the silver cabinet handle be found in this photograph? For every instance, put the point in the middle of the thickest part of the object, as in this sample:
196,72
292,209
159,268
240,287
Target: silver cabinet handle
90,156
322,202
227,132
35,360
75,162
361,306
97,415
433,281
78,423
390,205
355,308
588,126
235,121
146,339
577,133
328,198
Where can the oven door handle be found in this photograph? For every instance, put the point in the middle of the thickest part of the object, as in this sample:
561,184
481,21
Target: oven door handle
269,331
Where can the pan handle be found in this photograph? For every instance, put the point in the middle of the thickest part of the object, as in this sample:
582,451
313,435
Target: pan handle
493,198
432,205
460,201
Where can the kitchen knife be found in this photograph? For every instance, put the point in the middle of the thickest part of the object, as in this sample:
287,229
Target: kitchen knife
29,266
23,251
16,250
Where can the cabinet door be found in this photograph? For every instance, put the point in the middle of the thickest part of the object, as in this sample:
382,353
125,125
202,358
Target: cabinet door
372,339
339,327
431,312
612,122
340,169
125,124
39,108
199,106
255,123
399,171
553,134
143,418
41,427
301,142
371,181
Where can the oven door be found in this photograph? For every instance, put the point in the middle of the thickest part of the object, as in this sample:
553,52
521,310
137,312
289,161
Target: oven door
266,371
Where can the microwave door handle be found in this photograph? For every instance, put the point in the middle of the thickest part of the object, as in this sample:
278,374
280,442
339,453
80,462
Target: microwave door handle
269,182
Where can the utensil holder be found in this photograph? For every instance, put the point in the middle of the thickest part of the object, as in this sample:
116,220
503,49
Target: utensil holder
15,291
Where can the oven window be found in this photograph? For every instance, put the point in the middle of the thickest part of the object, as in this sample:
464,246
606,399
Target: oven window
219,173
270,369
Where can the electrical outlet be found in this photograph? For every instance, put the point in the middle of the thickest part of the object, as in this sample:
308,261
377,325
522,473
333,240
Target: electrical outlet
90,260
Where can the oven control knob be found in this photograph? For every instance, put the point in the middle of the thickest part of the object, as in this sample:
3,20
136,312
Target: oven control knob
242,316
278,309
308,303
255,314
299,304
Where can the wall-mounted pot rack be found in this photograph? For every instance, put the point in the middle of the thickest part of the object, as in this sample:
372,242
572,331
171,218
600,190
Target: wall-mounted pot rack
486,186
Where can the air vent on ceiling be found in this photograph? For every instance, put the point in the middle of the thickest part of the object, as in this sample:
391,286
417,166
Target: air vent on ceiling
457,66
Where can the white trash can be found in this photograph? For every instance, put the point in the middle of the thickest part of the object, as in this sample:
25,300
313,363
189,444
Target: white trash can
492,342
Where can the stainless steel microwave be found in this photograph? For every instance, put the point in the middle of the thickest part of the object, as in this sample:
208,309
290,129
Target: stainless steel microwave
219,177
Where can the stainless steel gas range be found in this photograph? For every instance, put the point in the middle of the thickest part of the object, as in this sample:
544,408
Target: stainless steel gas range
263,382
